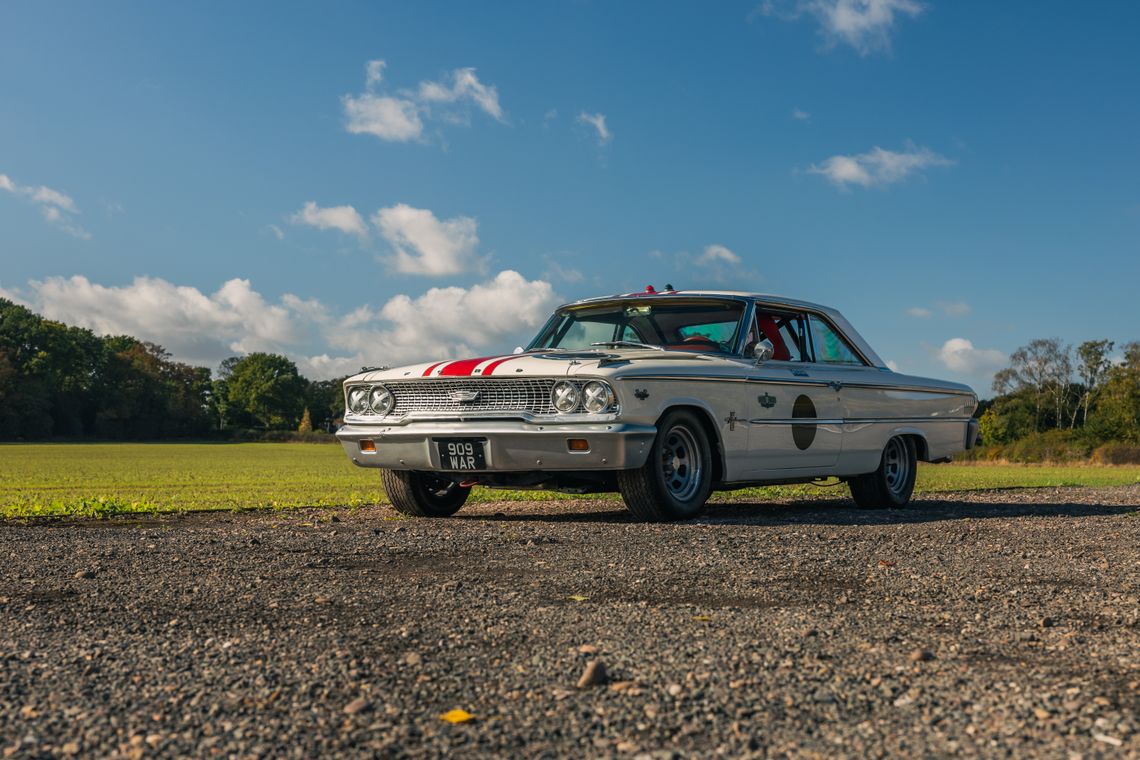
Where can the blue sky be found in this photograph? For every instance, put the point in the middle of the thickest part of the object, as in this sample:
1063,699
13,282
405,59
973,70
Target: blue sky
958,178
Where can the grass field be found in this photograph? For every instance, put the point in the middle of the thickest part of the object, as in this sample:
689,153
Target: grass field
100,479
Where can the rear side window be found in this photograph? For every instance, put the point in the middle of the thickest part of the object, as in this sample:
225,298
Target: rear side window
830,346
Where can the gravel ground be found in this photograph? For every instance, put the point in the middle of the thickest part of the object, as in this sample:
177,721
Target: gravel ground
1000,623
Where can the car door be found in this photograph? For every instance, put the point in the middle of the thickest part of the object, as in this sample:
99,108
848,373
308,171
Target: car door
795,424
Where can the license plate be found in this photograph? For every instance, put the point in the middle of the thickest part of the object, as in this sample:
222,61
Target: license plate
461,454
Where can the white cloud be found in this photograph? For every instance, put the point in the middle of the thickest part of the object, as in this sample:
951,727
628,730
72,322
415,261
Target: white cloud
423,244
800,115
877,167
598,122
56,207
373,73
464,86
558,273
204,329
343,218
717,254
391,119
865,25
920,312
959,355
400,118
276,231
892,365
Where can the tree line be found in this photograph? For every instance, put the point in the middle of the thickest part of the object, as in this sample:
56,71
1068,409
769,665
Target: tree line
58,380
1051,392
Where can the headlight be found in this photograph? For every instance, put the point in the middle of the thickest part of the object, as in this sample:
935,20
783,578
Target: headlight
597,397
358,400
381,400
564,395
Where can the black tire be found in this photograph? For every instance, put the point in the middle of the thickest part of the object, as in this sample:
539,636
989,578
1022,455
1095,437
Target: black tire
676,479
890,486
421,494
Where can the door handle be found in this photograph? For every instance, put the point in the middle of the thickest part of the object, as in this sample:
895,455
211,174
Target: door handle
835,385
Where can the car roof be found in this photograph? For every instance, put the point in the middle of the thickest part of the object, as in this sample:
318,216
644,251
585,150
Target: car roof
768,299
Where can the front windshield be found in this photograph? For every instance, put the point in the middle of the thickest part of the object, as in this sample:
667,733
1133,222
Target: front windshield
707,326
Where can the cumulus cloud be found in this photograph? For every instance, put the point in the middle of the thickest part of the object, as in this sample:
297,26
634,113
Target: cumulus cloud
56,207
715,266
424,244
960,355
717,254
865,25
920,312
390,119
343,218
877,167
203,329
463,86
598,122
400,117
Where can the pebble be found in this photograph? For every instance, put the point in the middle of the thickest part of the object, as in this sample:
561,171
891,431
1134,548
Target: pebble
593,675
358,705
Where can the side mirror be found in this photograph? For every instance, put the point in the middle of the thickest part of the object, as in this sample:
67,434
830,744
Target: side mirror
763,351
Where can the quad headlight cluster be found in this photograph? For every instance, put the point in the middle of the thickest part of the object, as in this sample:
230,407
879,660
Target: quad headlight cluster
376,399
595,397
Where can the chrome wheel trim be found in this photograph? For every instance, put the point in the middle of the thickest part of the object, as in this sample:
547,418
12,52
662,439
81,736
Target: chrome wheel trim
681,465
896,465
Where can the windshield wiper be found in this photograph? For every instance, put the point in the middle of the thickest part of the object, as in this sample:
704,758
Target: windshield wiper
627,344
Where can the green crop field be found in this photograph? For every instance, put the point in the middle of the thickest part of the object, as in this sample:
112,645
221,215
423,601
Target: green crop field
101,479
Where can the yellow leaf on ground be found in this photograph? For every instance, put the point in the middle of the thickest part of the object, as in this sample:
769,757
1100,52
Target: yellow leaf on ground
702,618
577,598
457,716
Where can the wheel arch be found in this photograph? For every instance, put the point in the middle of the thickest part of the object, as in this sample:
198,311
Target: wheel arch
705,416
917,437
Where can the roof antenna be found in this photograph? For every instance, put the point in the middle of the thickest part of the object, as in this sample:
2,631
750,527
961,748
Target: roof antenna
669,287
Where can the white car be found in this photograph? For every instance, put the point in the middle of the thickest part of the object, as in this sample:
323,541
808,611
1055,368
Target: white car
662,396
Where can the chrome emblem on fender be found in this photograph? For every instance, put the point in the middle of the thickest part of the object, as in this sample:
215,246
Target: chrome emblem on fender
465,397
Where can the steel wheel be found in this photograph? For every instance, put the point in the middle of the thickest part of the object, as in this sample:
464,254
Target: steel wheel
681,466
676,478
896,466
890,486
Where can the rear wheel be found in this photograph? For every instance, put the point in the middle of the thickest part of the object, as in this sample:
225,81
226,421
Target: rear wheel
676,479
890,486
420,494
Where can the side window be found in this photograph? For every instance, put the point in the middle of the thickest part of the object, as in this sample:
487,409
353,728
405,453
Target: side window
784,331
830,348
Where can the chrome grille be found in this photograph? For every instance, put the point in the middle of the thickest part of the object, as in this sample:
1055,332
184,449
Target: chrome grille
506,395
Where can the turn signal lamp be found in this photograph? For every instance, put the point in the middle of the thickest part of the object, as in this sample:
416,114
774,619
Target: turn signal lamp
367,446
577,444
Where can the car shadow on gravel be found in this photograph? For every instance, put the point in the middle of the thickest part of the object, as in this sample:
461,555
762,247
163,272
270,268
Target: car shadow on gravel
823,512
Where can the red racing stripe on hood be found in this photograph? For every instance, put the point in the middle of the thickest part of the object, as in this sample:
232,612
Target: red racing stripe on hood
464,367
490,368
429,369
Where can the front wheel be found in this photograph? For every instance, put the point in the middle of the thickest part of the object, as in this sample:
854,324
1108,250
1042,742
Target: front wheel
676,479
890,486
420,494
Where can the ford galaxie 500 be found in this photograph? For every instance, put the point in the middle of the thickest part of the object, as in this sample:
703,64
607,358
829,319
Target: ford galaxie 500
664,397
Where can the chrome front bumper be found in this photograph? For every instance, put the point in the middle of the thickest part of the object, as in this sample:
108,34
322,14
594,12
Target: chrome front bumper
511,445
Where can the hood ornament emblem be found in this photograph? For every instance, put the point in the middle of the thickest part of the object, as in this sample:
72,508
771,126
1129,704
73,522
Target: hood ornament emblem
465,397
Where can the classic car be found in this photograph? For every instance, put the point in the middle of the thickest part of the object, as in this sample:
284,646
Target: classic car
663,396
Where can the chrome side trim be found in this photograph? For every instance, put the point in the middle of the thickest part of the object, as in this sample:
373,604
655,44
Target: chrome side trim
817,383
715,379
878,420
796,421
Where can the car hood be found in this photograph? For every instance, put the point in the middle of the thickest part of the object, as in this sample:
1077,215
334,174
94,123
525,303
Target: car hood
538,364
